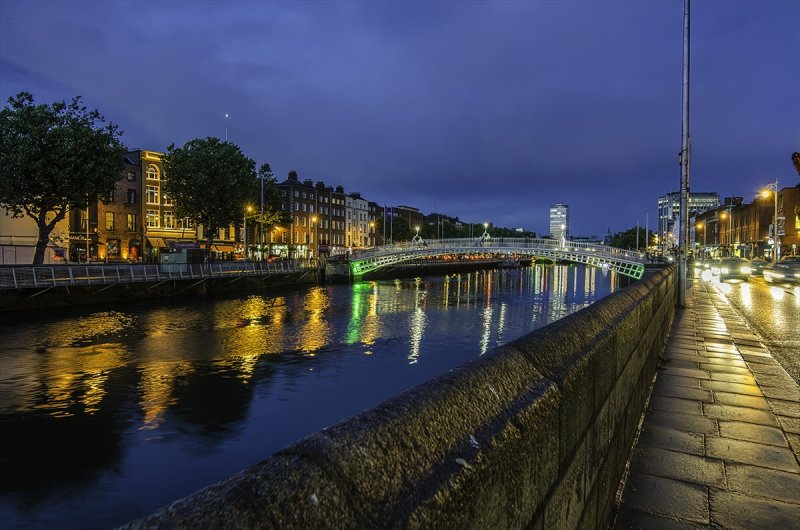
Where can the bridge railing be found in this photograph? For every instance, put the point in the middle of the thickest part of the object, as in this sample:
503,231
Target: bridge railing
500,242
22,277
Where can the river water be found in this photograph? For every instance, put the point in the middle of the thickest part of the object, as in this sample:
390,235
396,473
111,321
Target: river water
106,415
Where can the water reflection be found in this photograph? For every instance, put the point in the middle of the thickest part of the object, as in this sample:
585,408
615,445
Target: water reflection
103,413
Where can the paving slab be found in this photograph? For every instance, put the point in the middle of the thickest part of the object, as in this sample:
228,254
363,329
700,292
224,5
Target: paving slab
735,511
720,438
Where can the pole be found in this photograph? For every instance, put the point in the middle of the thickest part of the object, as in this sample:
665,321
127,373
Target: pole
776,249
244,236
646,230
684,159
637,235
87,233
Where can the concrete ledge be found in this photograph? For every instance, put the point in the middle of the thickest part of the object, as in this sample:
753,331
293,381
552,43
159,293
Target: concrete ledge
535,434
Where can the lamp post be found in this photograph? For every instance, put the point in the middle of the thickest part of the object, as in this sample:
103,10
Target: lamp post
244,230
316,234
702,227
765,193
372,232
729,216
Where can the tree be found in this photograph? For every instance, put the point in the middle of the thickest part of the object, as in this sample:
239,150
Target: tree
627,239
55,157
210,181
396,230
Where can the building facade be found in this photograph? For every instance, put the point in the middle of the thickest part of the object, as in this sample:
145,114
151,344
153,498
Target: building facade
559,221
669,211
357,219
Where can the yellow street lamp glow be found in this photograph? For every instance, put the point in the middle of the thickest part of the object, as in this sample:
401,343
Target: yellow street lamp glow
314,219
249,208
485,225
765,193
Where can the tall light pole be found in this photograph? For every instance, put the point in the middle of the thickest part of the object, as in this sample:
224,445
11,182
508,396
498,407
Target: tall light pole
244,230
776,248
226,126
316,234
684,160
729,215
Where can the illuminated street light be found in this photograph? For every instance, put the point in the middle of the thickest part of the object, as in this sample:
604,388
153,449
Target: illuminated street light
316,233
776,248
247,210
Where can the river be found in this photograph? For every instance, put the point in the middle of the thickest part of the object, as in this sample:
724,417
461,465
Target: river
106,415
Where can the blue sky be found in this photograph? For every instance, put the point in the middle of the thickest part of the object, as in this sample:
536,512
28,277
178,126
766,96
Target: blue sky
484,110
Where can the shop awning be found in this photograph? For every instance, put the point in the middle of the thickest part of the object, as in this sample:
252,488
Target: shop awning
223,248
156,242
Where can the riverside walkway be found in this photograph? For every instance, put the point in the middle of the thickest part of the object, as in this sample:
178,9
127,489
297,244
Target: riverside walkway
720,441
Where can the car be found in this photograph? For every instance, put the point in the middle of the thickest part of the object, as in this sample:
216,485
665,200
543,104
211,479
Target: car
786,270
757,266
728,268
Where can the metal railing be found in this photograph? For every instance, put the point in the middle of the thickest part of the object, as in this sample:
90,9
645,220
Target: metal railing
522,243
22,277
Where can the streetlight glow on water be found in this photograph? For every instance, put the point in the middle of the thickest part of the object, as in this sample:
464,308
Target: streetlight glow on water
108,415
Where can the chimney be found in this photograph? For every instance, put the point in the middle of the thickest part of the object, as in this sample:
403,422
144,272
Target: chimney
339,189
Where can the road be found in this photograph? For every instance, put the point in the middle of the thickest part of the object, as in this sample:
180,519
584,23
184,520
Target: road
773,312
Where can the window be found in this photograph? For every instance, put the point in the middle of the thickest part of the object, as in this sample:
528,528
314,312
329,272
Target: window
110,197
131,176
84,220
185,224
152,218
131,222
109,221
113,247
169,219
131,196
152,194
153,173
166,200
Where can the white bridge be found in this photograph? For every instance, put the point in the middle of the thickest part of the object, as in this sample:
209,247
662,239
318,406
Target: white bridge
626,262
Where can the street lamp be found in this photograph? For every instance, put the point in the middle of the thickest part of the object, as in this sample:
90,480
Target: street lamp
702,226
372,232
316,233
776,248
729,216
247,210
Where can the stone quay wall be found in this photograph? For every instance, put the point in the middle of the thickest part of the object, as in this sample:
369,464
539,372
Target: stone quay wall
535,435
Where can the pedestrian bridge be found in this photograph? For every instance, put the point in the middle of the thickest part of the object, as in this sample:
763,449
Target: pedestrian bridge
626,262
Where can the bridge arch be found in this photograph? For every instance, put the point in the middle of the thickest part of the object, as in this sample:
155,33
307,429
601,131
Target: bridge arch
624,262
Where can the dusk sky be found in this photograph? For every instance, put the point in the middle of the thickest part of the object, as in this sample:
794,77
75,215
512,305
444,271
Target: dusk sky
489,111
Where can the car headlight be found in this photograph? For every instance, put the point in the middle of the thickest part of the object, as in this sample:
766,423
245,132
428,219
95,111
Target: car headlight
747,270
724,270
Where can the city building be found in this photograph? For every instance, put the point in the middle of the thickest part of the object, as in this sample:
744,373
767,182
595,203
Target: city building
18,237
375,212
318,214
559,221
746,229
412,216
357,214
669,211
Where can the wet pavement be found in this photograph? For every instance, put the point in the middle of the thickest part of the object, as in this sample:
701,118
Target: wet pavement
720,441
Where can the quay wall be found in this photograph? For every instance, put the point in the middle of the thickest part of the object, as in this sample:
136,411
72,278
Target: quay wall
82,294
534,435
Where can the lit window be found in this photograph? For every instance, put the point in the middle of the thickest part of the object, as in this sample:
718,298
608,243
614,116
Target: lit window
131,222
153,173
152,218
169,219
152,194
166,200
109,221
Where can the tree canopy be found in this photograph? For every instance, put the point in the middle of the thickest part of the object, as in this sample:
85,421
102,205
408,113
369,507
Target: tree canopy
211,181
627,239
54,157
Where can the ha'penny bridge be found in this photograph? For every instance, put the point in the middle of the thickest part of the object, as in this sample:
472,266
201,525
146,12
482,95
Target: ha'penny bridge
625,262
